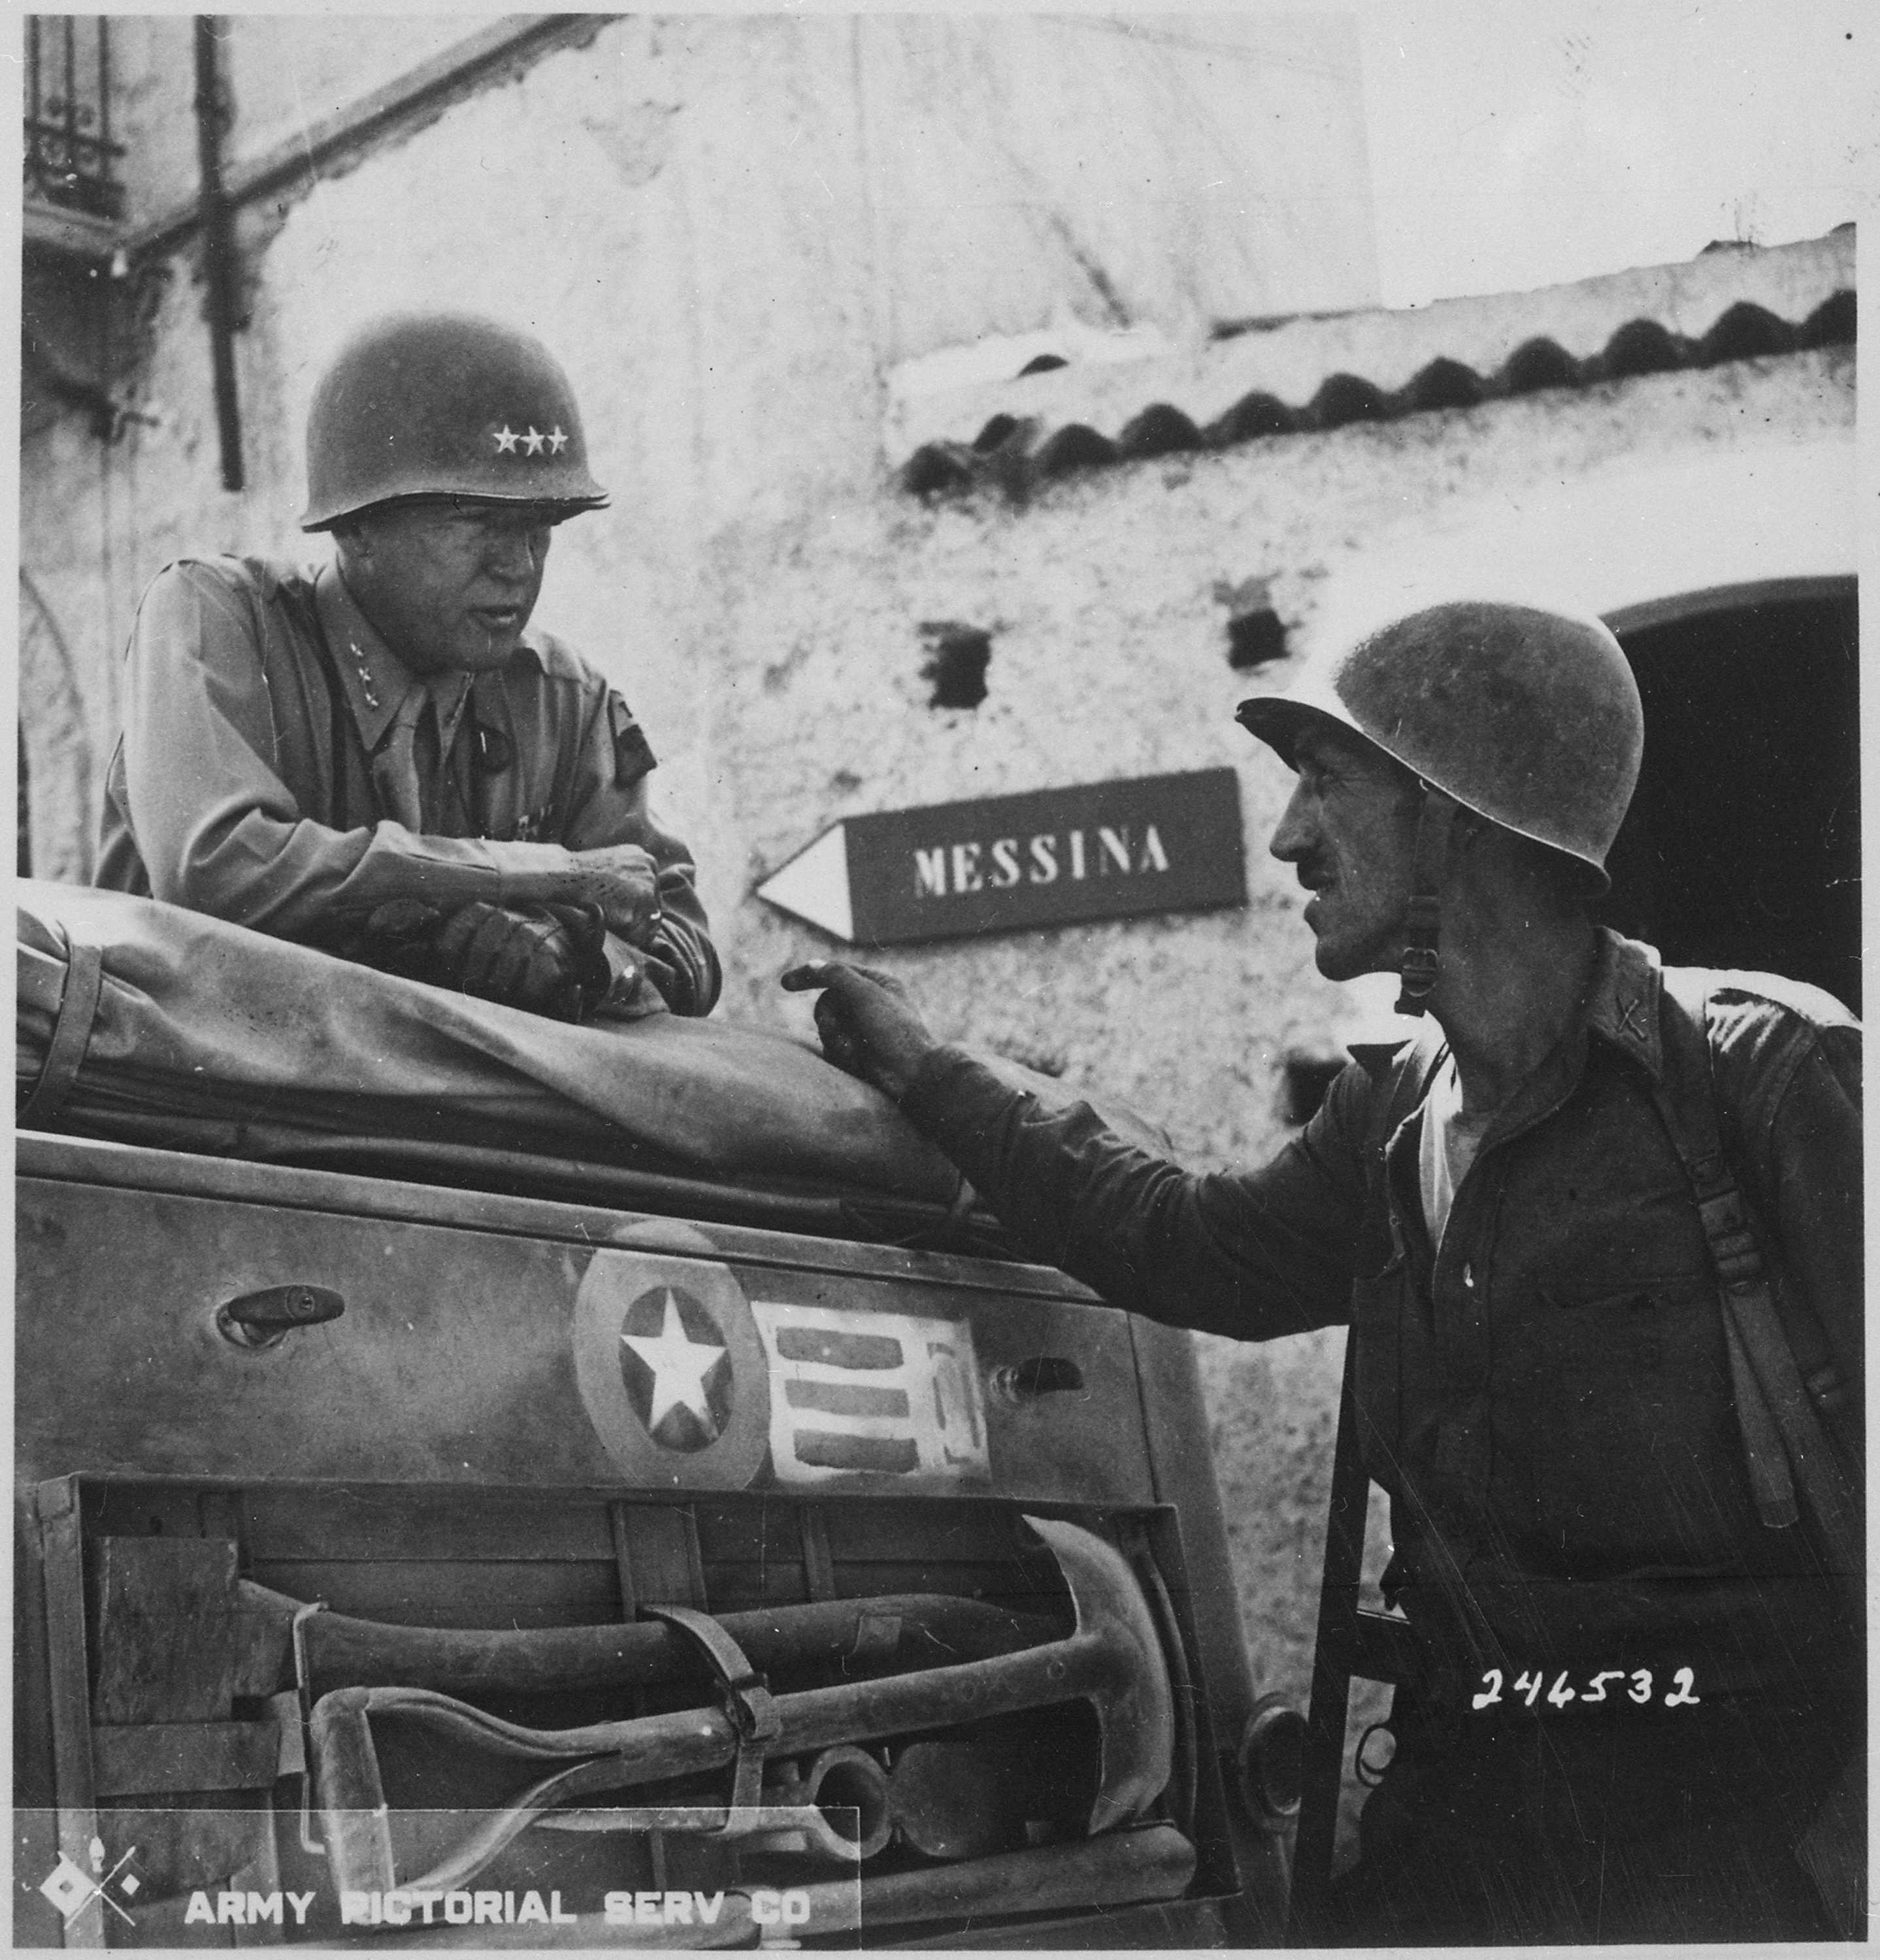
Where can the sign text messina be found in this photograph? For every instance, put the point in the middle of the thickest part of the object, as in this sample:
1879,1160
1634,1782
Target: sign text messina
1045,858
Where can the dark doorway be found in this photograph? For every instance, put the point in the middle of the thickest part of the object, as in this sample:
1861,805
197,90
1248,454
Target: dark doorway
1742,847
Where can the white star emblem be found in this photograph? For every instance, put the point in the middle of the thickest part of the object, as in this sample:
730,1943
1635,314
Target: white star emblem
534,440
680,1366
557,441
506,440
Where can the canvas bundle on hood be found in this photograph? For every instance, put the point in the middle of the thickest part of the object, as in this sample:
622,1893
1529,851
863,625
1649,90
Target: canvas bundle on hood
131,1009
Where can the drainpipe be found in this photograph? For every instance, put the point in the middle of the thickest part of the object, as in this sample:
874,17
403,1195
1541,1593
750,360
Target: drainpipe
219,244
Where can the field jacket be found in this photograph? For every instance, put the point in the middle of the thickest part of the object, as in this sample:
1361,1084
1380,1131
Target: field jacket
1547,1399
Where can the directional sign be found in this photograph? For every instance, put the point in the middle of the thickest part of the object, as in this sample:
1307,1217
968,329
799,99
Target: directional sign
1153,844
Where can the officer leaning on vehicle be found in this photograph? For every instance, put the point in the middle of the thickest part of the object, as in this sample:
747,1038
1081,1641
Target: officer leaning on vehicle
381,758
1598,1236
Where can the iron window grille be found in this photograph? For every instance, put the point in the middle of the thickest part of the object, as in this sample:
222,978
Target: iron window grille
70,157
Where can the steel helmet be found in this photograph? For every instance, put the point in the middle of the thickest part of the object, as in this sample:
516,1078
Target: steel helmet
428,405
1530,718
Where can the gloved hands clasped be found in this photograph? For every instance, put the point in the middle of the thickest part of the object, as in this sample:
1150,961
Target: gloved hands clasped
553,959
565,941
869,1027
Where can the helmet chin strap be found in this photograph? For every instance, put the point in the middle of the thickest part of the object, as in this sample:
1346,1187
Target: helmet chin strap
1418,966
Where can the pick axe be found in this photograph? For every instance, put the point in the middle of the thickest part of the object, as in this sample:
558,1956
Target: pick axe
1111,1659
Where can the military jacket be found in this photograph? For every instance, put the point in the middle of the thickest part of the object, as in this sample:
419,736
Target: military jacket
1547,1397
243,787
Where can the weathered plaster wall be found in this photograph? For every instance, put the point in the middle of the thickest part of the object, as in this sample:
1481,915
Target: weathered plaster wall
282,73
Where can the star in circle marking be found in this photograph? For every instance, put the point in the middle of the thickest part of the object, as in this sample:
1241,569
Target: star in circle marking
557,440
534,440
680,1366
506,440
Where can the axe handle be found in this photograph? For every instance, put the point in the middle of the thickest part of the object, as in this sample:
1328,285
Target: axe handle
935,1628
605,1755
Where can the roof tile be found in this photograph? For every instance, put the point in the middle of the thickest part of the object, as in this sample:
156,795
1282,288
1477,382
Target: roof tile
1444,384
935,467
1076,446
1642,347
1539,364
1744,331
1256,415
1832,323
1158,430
1350,398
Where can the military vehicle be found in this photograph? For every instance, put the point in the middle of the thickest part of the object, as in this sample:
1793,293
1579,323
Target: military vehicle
429,1542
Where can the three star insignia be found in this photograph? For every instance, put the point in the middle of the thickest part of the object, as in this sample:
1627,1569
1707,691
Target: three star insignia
366,686
679,1367
532,440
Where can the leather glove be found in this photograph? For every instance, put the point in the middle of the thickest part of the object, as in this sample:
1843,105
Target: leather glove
549,960
400,937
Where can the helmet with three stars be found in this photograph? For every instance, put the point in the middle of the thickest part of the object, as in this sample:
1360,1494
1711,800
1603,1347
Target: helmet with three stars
442,405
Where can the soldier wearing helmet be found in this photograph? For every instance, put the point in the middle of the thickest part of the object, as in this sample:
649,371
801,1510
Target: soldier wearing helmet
381,757
1596,1234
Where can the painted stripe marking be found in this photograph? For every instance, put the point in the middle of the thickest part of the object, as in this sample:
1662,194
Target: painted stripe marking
832,1349
844,1399
824,1451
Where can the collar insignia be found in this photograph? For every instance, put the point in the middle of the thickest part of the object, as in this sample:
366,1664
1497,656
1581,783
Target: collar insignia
364,672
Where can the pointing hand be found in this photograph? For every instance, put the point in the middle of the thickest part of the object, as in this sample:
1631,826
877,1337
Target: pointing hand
868,1026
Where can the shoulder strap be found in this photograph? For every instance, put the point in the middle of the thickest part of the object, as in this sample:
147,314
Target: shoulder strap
1786,1446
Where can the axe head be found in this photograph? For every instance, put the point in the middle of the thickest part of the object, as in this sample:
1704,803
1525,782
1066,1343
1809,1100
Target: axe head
1135,1716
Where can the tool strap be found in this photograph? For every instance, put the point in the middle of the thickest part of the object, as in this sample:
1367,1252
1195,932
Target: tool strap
71,1032
749,1706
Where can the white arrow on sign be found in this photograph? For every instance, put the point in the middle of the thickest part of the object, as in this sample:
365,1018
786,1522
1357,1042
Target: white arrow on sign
814,885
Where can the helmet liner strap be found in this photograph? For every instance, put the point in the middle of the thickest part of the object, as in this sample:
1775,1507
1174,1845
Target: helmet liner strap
1418,966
